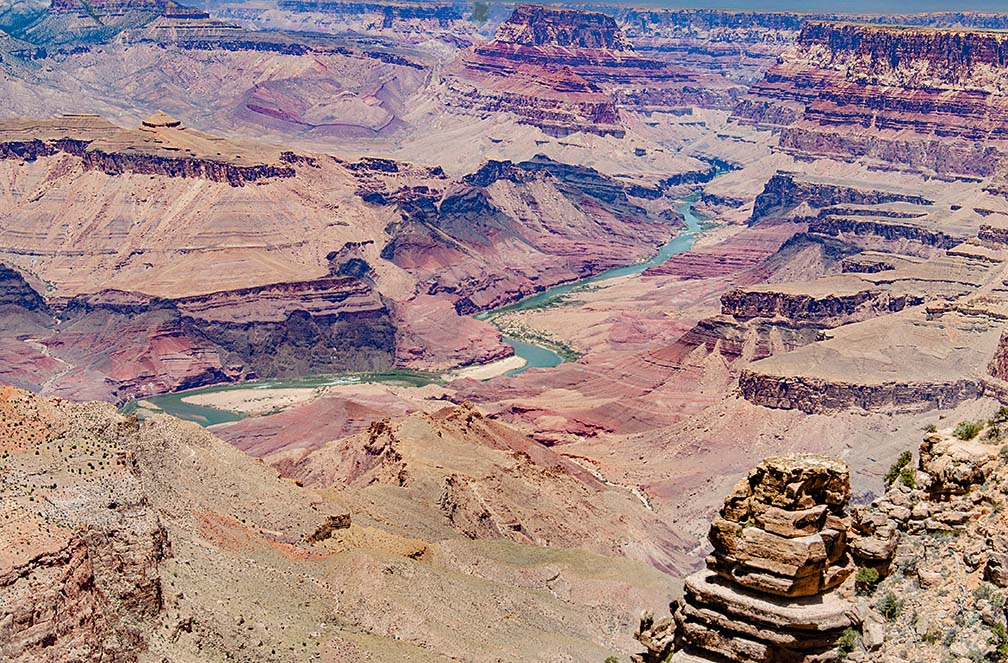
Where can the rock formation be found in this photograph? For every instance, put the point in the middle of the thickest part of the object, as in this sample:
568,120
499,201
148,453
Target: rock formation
922,100
532,25
929,552
161,146
570,70
774,588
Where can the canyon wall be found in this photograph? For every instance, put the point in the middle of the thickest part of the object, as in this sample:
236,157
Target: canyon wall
927,101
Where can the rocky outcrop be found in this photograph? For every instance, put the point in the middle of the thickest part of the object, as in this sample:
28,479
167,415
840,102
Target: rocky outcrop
932,605
777,585
79,572
533,25
785,191
15,291
746,304
999,363
87,600
930,555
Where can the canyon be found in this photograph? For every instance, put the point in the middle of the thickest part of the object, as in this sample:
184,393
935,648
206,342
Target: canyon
339,237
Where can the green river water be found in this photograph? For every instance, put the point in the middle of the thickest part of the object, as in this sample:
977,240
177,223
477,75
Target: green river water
535,356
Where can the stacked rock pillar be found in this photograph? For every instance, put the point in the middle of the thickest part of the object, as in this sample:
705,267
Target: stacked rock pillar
774,588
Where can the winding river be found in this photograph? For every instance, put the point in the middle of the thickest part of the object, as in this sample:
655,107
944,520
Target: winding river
535,356
538,356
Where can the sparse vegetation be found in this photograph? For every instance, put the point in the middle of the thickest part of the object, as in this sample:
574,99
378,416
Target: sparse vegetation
988,592
866,580
890,606
999,639
848,641
967,430
908,476
903,461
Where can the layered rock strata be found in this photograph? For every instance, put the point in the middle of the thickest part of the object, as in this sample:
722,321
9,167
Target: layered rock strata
565,71
776,585
532,25
930,549
160,146
920,100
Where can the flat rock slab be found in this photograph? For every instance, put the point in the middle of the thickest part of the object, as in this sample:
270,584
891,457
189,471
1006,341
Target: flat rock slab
823,613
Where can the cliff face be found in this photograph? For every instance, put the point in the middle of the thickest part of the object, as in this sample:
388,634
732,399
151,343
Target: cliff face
910,58
150,150
15,292
565,71
282,329
533,25
391,12
785,191
800,308
929,101
104,7
76,582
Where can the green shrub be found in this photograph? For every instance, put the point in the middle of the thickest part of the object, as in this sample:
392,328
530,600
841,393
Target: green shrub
986,591
866,580
611,659
904,459
931,428
890,606
1001,416
908,477
967,430
848,640
1000,641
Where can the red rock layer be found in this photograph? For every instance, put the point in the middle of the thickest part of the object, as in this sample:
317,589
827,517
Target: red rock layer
931,101
568,71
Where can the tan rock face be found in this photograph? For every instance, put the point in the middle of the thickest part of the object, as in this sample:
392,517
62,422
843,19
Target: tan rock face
784,526
774,589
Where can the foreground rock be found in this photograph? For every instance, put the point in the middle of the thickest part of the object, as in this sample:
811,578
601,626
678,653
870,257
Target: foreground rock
777,585
930,555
